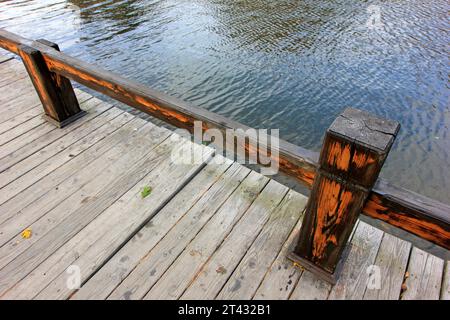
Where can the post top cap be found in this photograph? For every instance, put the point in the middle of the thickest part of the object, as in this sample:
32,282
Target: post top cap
365,128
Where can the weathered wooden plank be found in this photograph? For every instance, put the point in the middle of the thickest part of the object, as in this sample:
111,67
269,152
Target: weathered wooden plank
13,66
20,103
121,264
392,259
175,280
23,85
25,151
11,71
445,292
82,206
32,202
72,215
16,90
5,58
282,275
89,260
119,232
309,287
32,135
23,128
156,262
10,74
425,276
109,231
21,124
62,182
16,178
215,273
11,227
20,118
353,152
354,278
248,275
23,140
8,184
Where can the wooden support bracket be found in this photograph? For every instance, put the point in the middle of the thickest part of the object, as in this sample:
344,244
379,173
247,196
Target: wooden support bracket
55,91
353,152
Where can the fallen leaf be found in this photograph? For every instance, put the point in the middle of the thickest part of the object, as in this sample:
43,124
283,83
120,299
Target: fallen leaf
295,264
146,191
26,233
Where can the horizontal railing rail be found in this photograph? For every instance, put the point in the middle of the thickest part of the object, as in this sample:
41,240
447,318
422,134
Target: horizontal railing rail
392,209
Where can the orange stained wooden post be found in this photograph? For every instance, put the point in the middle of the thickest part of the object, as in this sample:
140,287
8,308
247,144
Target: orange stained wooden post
353,152
55,91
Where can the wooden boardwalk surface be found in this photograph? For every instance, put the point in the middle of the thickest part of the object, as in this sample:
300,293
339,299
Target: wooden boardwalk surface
210,230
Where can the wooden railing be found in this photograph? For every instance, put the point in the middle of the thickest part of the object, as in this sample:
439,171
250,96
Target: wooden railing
344,179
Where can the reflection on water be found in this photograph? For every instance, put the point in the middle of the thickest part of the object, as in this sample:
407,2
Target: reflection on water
292,65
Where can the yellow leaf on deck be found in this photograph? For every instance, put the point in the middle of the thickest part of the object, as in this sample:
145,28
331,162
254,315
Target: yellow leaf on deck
26,233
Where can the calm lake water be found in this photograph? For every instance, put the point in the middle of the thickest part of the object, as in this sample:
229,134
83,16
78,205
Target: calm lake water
292,65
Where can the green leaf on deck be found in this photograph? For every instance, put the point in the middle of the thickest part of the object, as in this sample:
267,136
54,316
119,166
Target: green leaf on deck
146,191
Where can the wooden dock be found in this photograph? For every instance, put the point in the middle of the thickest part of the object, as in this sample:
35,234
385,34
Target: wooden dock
212,230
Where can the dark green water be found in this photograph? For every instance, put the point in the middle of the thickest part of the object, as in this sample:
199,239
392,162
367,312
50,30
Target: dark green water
292,65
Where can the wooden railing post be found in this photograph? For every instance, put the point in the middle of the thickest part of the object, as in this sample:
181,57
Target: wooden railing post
55,91
353,152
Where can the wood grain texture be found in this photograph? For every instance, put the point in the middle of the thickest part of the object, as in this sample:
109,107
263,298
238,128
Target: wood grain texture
5,58
17,171
53,188
329,219
425,276
121,264
11,74
392,260
20,129
20,118
13,225
24,140
250,272
216,272
411,212
55,91
16,90
184,269
110,231
159,259
22,147
356,272
309,287
445,292
78,210
72,215
353,152
282,276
